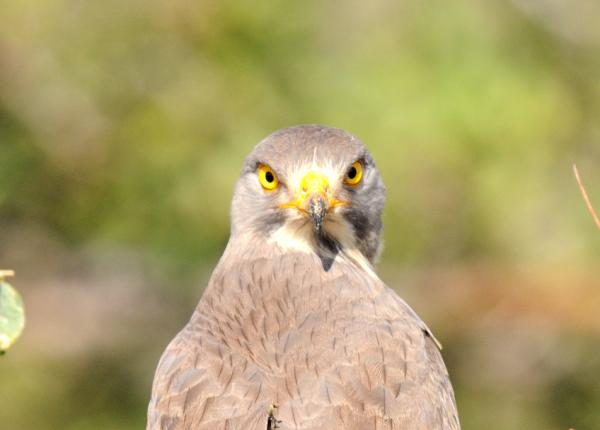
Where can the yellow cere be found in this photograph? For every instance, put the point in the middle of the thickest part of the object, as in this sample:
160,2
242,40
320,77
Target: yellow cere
267,177
313,182
354,174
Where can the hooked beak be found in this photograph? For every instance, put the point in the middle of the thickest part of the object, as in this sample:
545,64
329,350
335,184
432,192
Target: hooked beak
314,199
317,209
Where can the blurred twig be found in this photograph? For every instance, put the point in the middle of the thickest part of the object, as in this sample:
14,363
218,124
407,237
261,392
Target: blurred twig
585,197
6,273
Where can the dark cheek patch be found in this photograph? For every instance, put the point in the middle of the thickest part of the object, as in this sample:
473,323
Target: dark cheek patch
367,227
272,221
359,221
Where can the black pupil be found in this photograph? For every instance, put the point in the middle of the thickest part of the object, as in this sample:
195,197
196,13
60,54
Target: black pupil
269,177
352,172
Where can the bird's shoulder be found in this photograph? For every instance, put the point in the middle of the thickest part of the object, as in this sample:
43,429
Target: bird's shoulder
334,346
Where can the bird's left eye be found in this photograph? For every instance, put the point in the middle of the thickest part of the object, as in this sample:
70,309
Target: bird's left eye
267,177
354,174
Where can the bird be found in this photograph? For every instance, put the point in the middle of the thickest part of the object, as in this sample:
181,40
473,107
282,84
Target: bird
295,329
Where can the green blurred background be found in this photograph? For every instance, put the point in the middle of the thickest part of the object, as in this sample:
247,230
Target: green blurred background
123,126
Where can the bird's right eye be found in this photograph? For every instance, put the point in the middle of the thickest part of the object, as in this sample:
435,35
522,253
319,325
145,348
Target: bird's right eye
354,174
267,177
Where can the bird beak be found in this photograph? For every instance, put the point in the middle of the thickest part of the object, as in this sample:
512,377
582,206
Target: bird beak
314,198
317,209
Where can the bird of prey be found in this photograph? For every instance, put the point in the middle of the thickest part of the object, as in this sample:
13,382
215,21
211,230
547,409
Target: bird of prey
295,330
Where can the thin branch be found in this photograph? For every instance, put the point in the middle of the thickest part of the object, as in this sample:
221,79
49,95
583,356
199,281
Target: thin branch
585,197
6,273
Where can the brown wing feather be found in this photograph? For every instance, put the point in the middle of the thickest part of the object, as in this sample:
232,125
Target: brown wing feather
332,349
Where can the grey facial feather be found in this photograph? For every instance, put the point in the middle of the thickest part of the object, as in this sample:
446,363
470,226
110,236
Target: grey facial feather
287,150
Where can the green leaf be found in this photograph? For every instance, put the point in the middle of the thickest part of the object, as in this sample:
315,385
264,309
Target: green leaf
12,316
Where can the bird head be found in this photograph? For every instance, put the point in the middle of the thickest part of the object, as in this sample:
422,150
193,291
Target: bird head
307,184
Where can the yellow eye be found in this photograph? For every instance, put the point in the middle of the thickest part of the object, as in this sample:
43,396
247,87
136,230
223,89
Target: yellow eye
354,174
267,177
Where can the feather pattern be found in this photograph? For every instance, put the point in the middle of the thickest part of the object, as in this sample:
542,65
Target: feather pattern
295,330
332,349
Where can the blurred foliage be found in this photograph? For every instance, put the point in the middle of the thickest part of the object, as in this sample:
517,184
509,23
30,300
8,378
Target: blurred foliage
124,125
128,122
12,315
